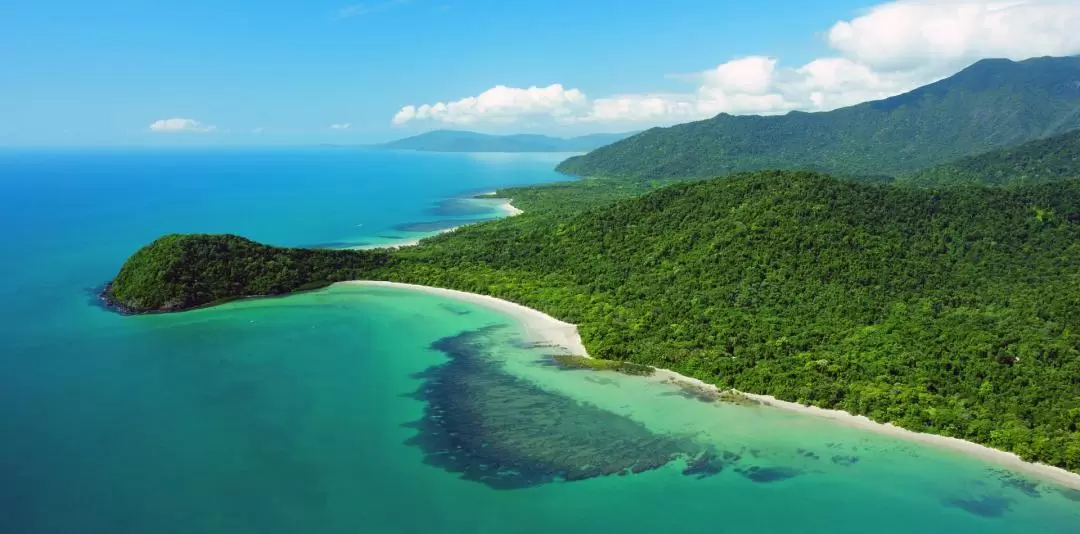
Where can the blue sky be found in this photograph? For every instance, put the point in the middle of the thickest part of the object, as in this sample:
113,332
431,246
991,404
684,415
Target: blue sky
246,72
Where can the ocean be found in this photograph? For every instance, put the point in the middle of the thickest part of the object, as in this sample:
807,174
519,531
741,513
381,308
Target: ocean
361,409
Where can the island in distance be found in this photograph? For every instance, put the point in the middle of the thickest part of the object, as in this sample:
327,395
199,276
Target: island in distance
463,141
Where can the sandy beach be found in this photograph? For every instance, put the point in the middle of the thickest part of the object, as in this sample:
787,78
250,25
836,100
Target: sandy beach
506,208
403,243
541,327
538,326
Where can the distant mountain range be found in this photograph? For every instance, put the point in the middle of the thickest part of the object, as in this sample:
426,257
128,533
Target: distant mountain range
992,104
462,141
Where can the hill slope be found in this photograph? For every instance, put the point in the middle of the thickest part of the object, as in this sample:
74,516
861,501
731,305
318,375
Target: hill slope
460,141
991,104
178,272
949,311
1043,160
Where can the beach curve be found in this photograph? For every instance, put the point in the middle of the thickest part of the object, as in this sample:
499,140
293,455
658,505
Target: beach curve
542,328
506,209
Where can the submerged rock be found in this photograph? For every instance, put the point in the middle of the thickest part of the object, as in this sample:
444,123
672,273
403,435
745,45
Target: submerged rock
769,474
985,506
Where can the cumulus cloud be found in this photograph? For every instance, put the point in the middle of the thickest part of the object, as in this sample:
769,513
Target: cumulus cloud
180,125
499,105
886,50
907,35
341,126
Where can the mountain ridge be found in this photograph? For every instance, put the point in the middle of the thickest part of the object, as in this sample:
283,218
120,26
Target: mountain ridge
467,141
989,105
1039,161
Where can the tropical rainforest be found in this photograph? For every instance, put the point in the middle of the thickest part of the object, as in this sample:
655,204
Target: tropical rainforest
946,300
1043,160
950,311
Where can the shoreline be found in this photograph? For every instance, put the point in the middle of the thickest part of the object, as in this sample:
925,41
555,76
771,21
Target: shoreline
537,324
545,328
509,209
505,209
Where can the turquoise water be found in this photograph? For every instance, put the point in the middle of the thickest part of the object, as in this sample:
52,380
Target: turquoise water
381,410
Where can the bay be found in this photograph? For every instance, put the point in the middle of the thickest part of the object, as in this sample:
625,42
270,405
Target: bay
367,409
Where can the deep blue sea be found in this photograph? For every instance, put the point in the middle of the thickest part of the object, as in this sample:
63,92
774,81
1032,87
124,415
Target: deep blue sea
357,409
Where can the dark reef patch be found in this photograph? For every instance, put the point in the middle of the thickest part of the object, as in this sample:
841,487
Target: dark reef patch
766,475
456,207
601,381
705,465
695,393
1070,493
455,309
845,460
505,432
808,454
435,226
985,506
1018,483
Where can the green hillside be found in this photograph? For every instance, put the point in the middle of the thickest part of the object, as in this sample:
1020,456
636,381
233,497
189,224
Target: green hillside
947,311
1043,160
461,141
991,104
178,272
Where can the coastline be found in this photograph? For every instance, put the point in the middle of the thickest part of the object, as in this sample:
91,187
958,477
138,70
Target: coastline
541,327
403,243
538,325
509,209
505,209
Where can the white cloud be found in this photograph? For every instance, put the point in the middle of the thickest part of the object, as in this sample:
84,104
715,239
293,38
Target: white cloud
500,105
908,35
341,126
180,125
657,108
889,49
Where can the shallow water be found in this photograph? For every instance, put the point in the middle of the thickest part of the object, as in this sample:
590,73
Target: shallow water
358,409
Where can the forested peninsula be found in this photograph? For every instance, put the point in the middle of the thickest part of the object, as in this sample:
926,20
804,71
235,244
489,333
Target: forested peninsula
946,311
931,282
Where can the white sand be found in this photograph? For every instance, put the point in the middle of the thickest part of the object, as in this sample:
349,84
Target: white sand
540,327
1001,458
394,244
507,209
403,243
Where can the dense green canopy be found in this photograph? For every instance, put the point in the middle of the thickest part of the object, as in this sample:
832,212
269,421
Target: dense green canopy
1043,160
991,104
950,311
178,272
